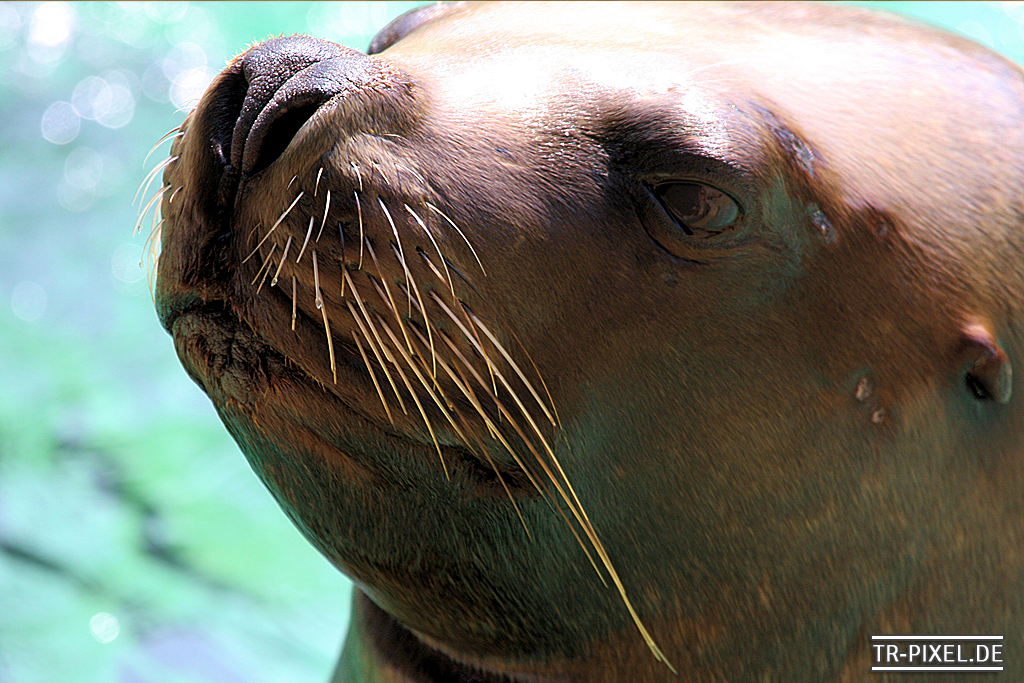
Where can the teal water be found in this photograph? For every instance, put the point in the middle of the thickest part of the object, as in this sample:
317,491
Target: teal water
135,543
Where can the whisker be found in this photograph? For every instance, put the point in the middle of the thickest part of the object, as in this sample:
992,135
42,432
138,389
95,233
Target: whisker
478,406
570,498
284,255
150,246
316,187
468,393
359,212
576,508
373,375
430,235
401,253
536,370
147,181
423,311
379,353
359,176
461,234
266,264
176,132
501,349
274,226
316,282
430,264
470,335
149,205
323,310
387,291
151,250
293,303
415,398
309,231
175,194
369,323
327,207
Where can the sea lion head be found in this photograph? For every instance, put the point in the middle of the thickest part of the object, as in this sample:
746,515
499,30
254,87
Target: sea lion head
586,337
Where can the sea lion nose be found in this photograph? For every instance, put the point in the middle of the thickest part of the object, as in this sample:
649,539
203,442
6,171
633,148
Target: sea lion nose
286,80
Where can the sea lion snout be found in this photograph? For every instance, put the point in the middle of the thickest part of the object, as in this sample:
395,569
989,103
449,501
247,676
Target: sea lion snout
269,92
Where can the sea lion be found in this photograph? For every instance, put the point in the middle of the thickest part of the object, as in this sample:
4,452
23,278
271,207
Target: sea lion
621,342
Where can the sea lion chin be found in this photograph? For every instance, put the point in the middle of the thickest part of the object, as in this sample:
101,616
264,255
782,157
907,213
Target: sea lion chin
645,342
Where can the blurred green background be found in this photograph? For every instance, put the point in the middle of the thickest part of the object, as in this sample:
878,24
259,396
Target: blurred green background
135,543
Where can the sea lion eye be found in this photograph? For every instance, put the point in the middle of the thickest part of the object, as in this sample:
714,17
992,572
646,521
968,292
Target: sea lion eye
697,208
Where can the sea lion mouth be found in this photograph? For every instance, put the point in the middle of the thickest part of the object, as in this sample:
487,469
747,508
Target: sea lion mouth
233,365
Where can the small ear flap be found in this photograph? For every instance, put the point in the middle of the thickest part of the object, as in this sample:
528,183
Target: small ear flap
990,373
406,23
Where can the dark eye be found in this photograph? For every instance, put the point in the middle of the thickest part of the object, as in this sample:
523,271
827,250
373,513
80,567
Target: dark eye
699,209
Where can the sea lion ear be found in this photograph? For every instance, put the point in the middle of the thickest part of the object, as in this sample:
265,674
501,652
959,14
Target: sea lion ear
408,22
989,371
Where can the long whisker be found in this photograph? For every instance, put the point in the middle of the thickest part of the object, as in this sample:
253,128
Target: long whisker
430,235
491,427
369,369
470,333
387,292
461,234
157,196
373,330
175,132
540,377
468,393
430,264
575,506
573,502
378,354
501,349
144,185
422,309
401,253
412,392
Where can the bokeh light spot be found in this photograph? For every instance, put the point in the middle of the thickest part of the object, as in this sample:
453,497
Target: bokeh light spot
28,300
104,627
61,123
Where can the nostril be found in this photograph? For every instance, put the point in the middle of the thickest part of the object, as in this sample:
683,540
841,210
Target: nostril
278,86
229,96
263,71
275,138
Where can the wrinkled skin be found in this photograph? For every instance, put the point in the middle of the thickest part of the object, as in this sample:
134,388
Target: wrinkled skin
786,435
